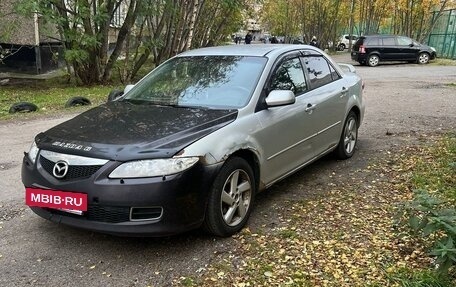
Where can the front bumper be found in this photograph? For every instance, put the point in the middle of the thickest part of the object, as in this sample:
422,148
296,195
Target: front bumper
181,198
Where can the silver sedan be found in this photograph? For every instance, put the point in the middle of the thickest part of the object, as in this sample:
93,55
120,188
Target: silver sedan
193,142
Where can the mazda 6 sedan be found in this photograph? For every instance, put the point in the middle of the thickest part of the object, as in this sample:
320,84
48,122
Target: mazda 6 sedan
193,142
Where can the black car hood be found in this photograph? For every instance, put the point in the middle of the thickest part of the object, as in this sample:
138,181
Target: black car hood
125,131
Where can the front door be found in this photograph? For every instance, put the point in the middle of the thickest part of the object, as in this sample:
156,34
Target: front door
287,131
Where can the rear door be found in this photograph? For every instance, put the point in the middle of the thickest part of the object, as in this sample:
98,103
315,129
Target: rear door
329,97
389,49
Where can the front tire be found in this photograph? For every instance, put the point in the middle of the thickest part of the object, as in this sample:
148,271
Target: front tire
349,137
341,47
230,199
423,58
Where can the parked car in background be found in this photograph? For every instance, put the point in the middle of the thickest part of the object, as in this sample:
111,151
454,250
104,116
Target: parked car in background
192,143
344,41
373,49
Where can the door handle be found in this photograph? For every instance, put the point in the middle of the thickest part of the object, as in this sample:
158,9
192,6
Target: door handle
344,92
310,107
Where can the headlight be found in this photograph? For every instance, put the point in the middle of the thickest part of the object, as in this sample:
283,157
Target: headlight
33,152
433,49
153,167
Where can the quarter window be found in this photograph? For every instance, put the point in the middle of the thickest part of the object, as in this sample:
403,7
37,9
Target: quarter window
334,74
373,42
290,76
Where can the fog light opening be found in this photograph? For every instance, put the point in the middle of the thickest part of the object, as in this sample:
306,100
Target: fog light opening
146,213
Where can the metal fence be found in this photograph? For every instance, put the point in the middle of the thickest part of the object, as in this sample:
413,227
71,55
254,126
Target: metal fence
443,35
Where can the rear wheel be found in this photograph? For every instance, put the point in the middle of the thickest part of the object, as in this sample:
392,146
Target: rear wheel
373,60
348,138
230,199
423,58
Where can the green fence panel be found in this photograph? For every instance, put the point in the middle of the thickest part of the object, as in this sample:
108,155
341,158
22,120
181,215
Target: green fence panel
443,34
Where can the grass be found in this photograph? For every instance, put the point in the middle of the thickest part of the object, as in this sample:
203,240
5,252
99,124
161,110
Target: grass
435,168
49,95
443,62
407,277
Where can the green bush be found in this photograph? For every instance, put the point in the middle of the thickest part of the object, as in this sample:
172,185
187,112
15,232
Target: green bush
435,219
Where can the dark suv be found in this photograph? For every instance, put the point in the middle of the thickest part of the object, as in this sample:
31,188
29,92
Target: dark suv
373,49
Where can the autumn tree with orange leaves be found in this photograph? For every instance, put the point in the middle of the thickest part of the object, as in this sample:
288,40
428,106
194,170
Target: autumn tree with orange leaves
327,19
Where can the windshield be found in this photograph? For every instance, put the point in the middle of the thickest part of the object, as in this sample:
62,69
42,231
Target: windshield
221,82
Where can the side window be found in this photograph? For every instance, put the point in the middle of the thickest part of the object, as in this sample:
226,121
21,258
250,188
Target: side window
389,41
404,41
318,70
289,76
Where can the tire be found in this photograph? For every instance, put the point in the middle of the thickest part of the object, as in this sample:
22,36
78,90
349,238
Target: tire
373,60
77,101
228,208
341,47
23,107
423,58
349,137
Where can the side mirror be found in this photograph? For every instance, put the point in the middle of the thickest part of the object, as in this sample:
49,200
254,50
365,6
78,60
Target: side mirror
280,98
128,88
411,45
114,94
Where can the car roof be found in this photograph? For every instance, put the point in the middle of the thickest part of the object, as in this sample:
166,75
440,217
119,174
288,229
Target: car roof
383,35
258,50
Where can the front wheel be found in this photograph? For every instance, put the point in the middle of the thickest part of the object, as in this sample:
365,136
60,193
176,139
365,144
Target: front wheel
230,199
423,58
349,137
341,47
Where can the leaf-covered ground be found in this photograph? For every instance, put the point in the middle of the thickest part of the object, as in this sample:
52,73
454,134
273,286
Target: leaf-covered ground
348,236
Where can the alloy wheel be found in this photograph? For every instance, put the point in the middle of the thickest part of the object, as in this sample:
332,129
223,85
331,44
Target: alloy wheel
236,197
373,60
350,135
423,58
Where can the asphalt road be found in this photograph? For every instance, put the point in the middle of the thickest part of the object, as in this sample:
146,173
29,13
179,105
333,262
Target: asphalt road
405,102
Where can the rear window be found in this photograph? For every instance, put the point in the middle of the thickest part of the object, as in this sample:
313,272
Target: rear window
359,42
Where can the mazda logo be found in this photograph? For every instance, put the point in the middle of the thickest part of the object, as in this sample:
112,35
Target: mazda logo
60,169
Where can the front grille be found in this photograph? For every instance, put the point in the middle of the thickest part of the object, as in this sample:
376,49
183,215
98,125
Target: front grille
108,214
111,214
74,171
